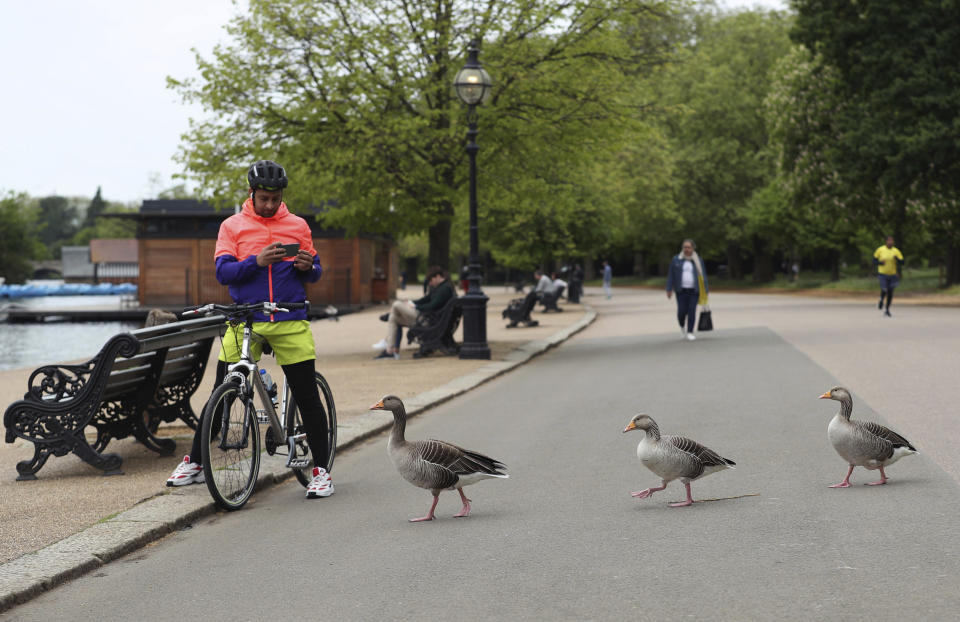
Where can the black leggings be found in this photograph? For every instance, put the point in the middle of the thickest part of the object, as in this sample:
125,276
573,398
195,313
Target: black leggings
889,294
306,394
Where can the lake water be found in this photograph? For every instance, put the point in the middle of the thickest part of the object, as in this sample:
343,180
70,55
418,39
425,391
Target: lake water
44,343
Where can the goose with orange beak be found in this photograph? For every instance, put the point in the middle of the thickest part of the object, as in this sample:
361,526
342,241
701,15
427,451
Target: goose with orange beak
863,443
435,465
673,457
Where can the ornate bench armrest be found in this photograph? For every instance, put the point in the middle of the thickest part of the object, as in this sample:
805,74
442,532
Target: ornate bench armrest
58,383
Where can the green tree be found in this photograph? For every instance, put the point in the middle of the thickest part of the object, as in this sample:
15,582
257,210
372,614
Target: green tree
355,99
56,222
96,207
898,142
18,244
712,98
802,112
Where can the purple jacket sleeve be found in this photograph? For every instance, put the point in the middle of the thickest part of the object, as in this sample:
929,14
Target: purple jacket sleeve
231,272
313,274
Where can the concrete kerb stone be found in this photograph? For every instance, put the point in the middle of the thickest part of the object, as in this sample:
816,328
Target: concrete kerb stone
32,574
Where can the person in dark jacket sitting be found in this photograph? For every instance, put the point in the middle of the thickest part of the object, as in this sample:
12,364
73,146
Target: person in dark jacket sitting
406,312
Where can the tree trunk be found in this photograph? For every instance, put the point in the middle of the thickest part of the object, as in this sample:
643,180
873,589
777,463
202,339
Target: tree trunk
663,266
763,268
734,261
589,271
411,266
639,264
439,236
953,265
835,266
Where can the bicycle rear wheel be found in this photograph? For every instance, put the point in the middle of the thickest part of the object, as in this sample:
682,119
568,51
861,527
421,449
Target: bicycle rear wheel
230,447
330,412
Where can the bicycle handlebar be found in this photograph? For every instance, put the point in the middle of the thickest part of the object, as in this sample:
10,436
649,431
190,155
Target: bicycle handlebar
247,309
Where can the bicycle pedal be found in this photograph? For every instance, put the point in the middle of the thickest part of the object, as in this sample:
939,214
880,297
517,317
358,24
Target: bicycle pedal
298,463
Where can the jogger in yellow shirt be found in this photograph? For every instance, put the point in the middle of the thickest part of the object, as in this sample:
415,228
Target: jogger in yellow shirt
888,260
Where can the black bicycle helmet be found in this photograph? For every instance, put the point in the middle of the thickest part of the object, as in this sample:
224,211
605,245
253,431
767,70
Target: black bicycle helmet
267,175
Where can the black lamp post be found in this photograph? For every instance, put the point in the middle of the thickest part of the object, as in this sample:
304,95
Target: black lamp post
473,87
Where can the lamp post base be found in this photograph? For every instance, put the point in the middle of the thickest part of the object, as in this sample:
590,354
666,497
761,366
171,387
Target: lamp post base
474,325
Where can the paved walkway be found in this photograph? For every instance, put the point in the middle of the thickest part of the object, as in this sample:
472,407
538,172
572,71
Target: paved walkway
70,497
903,367
776,543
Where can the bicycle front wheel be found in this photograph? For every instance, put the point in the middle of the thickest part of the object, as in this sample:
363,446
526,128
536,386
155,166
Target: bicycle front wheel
230,447
304,476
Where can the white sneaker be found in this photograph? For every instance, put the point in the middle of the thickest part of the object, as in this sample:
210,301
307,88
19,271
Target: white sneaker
683,332
321,486
186,473
691,337
380,345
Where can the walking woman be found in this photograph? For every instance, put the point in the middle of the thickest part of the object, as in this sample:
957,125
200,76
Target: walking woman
688,278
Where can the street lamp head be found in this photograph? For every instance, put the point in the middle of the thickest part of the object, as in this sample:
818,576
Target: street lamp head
473,83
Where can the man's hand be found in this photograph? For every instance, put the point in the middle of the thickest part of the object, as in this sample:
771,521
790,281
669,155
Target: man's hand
669,293
303,261
272,253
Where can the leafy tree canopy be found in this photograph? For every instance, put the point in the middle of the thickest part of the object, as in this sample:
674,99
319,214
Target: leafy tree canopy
355,99
18,244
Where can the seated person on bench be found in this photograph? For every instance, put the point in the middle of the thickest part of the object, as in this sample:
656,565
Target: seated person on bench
544,284
406,312
559,285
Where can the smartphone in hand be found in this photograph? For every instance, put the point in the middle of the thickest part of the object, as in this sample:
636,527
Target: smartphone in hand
290,250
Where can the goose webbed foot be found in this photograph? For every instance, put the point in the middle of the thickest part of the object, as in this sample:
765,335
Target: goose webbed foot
465,511
429,515
682,504
846,480
643,494
882,481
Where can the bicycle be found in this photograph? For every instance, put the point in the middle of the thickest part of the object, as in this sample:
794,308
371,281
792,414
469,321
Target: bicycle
230,433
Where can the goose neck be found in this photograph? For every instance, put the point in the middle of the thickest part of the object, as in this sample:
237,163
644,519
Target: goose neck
399,427
846,408
653,432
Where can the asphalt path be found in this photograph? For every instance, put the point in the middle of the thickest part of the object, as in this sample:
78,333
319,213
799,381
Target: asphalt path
562,538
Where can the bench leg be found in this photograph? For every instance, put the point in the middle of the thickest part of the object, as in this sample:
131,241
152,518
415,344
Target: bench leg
27,469
108,463
162,446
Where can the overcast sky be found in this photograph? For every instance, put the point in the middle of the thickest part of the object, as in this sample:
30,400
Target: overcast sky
86,102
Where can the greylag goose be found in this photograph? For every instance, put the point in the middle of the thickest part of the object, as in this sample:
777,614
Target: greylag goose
435,465
862,443
673,457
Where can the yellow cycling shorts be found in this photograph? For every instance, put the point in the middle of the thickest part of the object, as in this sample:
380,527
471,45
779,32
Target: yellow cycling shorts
292,342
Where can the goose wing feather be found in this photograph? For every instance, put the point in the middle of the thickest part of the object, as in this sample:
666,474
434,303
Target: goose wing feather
432,464
463,461
704,455
886,434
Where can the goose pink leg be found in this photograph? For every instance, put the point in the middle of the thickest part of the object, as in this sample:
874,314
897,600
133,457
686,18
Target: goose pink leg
465,511
429,515
883,479
689,500
643,494
846,480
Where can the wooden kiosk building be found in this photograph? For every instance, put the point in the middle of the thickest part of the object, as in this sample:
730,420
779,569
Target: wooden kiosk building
176,239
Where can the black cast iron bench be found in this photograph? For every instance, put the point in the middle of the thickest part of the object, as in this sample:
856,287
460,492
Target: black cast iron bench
550,299
137,380
434,330
518,311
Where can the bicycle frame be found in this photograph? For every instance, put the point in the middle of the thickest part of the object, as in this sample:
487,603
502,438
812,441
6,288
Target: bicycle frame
246,371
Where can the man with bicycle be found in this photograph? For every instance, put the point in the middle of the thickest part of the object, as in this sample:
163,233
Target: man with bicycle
251,259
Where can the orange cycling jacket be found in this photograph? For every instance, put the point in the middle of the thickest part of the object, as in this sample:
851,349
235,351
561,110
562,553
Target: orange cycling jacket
242,237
